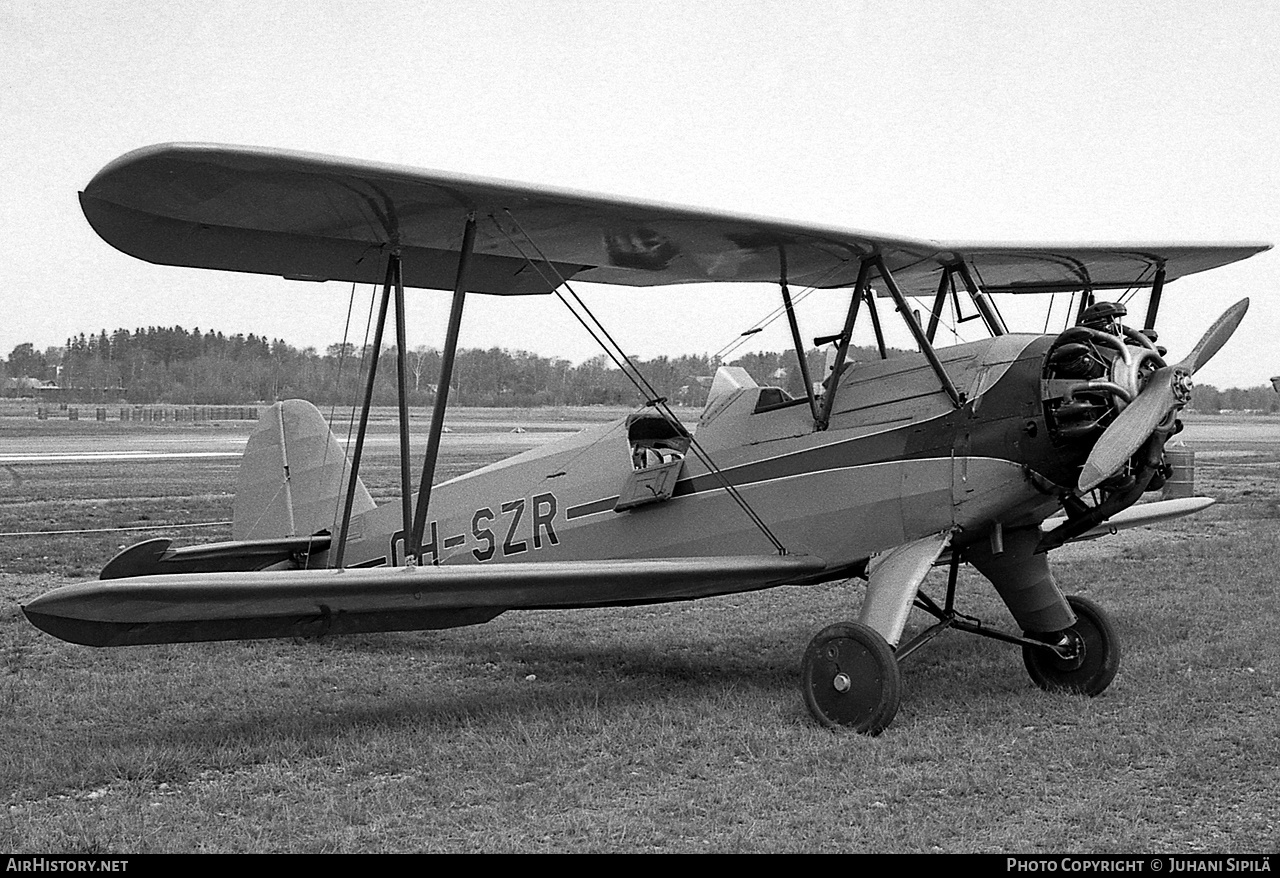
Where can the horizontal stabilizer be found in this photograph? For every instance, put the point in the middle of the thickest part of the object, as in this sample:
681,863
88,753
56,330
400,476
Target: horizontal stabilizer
154,557
287,603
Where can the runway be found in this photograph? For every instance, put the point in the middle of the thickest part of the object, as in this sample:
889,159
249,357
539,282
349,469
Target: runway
110,456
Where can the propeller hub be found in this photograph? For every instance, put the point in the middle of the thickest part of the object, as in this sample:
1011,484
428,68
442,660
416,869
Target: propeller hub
1182,386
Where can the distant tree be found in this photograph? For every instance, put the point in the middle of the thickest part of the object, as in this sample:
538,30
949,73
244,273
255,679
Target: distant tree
1206,398
25,362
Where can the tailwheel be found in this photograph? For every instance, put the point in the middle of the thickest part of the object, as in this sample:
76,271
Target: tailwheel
851,679
1086,659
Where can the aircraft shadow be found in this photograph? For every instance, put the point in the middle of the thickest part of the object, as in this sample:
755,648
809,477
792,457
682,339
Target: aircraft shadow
761,675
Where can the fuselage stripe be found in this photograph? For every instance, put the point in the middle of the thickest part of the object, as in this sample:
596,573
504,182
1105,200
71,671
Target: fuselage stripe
592,508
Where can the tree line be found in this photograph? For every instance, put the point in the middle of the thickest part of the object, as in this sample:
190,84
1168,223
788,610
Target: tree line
173,365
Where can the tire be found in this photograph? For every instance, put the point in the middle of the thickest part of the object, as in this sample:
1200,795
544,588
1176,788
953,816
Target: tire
1088,673
851,679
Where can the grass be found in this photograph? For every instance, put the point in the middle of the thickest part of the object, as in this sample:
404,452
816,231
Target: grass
670,728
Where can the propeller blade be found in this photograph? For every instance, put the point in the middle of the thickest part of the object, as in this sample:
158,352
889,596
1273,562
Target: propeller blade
1130,429
1167,390
1213,340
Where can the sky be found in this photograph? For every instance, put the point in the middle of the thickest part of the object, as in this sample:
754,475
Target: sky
1010,121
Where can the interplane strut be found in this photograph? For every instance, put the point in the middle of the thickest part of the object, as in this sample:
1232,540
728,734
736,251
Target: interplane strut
414,546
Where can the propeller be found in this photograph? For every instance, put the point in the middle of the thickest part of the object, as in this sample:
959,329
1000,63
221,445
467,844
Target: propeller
1167,390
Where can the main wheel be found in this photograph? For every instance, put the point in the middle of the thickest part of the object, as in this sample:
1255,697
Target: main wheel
1095,654
851,679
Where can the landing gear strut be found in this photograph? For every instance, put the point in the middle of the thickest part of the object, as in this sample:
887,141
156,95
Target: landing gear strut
851,678
850,674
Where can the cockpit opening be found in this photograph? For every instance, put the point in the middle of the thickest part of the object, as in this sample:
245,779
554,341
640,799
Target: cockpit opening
654,440
658,448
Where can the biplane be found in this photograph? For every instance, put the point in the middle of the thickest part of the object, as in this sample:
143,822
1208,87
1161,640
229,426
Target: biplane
992,452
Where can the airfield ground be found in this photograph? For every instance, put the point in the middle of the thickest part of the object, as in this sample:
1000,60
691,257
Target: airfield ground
669,728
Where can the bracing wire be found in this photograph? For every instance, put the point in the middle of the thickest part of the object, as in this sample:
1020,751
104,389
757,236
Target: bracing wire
1141,281
769,319
1048,313
333,405
610,346
364,349
951,324
342,356
351,419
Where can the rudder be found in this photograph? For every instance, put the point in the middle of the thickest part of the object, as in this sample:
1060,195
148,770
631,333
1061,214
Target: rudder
293,476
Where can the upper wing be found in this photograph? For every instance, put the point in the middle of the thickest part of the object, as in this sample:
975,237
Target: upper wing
314,217
1065,268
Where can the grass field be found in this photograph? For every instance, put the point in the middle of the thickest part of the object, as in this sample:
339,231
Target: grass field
670,728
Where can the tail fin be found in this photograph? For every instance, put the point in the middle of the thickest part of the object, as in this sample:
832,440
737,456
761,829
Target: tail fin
293,476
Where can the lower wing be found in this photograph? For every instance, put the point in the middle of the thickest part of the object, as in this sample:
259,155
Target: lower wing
178,608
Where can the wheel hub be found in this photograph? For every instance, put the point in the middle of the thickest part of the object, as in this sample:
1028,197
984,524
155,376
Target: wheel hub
851,678
1084,658
1070,649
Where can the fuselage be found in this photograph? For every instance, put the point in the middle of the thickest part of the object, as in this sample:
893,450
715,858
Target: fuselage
898,461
